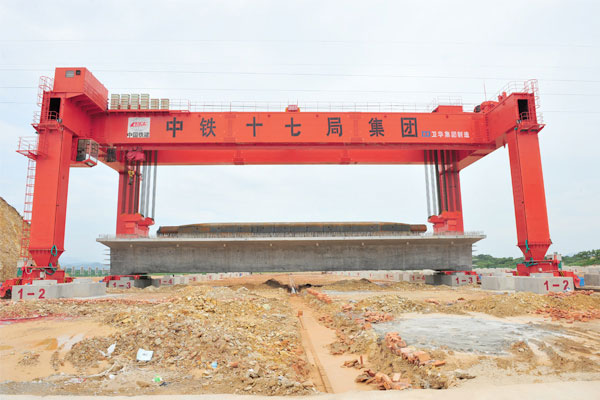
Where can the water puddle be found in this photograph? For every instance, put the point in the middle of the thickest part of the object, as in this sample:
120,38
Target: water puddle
463,333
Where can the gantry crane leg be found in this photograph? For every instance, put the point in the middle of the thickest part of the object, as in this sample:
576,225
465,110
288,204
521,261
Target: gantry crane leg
530,201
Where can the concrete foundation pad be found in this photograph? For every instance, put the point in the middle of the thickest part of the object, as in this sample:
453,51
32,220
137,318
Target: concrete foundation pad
542,275
123,283
289,253
543,285
76,289
498,282
35,292
58,291
416,277
592,279
43,282
450,280
144,283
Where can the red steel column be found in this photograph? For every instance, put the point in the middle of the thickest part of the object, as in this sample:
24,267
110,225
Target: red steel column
529,195
122,201
50,195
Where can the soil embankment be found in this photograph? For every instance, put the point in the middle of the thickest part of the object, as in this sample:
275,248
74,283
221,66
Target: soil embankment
10,235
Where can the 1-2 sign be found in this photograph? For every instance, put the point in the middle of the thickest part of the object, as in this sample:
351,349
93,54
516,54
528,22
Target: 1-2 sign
41,293
565,283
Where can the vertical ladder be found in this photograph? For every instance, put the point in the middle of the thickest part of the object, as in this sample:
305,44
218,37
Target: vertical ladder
27,209
28,146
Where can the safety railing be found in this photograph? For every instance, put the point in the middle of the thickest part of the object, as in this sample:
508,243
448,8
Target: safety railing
310,106
46,84
530,86
28,146
472,234
317,106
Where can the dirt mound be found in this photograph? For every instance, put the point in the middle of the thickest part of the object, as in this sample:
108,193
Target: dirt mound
394,304
505,305
204,340
352,284
10,236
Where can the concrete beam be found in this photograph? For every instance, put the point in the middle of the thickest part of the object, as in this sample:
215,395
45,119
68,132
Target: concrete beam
289,254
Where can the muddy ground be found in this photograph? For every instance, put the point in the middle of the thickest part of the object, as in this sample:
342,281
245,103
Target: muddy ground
251,336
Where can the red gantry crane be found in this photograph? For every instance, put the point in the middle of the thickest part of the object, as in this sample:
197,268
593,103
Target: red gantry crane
79,127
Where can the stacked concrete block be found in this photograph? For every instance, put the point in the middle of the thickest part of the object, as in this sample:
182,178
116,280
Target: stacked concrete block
498,282
543,285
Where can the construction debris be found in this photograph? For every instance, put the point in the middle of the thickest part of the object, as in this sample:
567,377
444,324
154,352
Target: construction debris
210,339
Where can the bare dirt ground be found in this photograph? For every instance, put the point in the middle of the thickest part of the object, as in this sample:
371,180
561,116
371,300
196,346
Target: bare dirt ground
251,336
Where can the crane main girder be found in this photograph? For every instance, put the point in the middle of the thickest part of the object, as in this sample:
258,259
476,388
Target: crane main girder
75,118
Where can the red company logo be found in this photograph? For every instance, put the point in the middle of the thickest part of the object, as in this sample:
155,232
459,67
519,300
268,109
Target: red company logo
138,124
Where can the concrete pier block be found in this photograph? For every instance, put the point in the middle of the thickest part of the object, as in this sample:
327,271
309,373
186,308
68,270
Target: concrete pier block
417,277
35,292
40,291
144,283
542,275
44,282
450,280
167,280
81,289
592,279
498,282
543,285
123,283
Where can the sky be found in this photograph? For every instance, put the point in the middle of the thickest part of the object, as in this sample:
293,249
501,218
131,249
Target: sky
327,51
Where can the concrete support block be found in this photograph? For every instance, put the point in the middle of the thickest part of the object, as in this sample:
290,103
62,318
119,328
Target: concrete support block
123,283
543,285
83,289
167,280
56,291
542,275
492,272
592,279
144,283
417,277
450,280
44,282
35,292
498,282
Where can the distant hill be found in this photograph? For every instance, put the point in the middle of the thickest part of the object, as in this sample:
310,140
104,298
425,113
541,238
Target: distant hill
583,258
10,238
488,261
